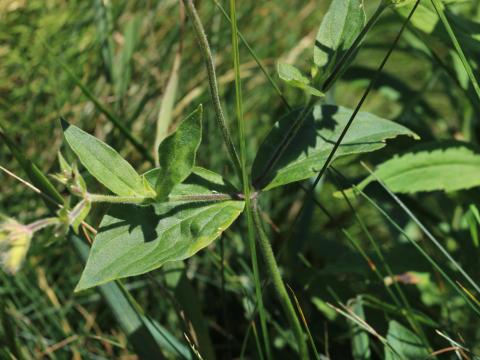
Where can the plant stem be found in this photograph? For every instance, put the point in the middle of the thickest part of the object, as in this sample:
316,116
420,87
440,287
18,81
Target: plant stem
282,293
439,7
43,223
255,57
363,98
245,179
212,81
175,198
340,67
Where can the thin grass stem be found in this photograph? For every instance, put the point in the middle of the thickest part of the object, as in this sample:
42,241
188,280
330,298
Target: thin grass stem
430,260
245,178
440,9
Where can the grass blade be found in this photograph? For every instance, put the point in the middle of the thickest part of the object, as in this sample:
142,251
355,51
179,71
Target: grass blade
131,321
440,9
429,235
100,107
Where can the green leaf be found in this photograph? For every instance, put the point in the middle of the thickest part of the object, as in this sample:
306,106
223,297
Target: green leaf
360,339
177,154
342,23
133,240
430,170
424,18
294,77
165,115
141,337
104,163
406,344
311,146
79,214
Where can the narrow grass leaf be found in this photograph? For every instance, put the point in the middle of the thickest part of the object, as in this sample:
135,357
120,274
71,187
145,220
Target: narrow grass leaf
122,69
360,339
109,115
35,175
440,8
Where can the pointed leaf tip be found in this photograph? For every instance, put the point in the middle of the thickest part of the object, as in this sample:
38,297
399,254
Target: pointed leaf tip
65,124
177,153
104,163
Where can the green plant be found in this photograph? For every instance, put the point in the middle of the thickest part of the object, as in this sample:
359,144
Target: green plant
158,215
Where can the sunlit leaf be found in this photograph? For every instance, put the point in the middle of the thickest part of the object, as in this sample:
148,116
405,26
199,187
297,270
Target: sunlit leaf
133,240
104,163
444,168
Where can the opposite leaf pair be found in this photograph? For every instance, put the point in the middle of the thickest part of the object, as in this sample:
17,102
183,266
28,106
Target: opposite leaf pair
186,207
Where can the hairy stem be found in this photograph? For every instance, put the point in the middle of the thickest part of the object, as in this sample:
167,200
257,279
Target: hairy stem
175,198
280,288
43,223
212,81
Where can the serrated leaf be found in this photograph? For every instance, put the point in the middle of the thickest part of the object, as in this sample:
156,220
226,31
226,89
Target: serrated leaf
104,163
340,26
133,240
445,168
314,141
177,154
405,343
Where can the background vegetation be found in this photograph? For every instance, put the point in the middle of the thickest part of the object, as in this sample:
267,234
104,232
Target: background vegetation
93,61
